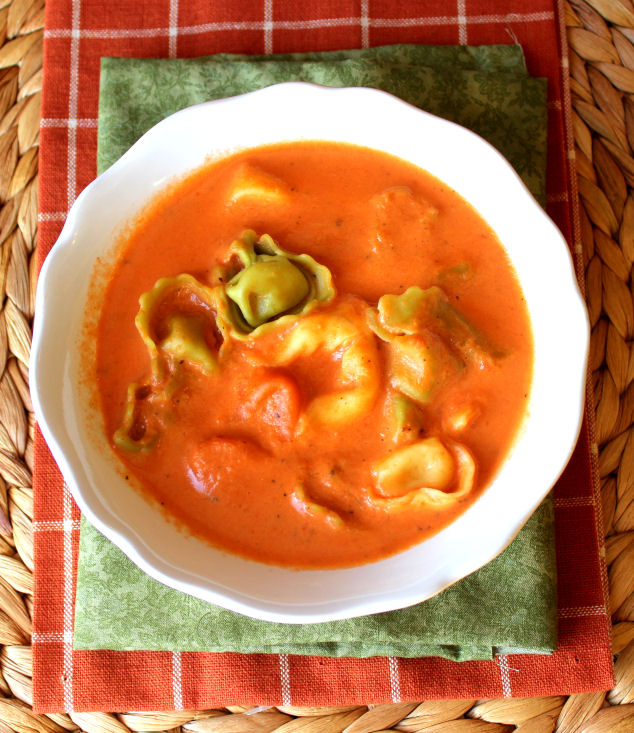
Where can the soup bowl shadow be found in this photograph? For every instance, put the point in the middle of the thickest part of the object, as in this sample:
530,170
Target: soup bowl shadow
72,426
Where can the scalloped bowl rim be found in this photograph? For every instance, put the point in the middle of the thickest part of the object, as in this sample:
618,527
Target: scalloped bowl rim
364,117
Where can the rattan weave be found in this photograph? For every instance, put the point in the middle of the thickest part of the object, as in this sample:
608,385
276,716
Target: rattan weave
601,38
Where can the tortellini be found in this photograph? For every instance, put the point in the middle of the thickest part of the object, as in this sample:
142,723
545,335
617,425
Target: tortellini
428,342
140,428
418,360
417,311
427,472
279,307
458,417
184,321
303,504
263,286
266,289
397,204
252,185
342,331
406,419
414,367
394,210
176,320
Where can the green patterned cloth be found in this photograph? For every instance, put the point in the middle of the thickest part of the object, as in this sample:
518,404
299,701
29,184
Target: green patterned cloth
509,605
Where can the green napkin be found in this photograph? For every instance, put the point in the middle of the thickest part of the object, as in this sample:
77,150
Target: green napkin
509,605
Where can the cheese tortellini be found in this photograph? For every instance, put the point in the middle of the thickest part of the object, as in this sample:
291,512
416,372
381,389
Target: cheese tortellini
426,472
419,312
304,505
342,331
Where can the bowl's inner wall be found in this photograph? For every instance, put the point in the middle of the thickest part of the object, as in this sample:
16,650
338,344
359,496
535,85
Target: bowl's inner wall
179,145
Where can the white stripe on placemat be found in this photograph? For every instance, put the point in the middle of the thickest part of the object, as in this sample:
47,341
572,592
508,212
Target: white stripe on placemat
451,19
52,637
395,679
579,267
65,525
573,501
66,122
462,22
503,665
117,33
113,33
172,47
285,679
71,180
69,600
268,26
46,216
514,17
556,198
108,33
177,681
364,20
581,611
413,22
285,25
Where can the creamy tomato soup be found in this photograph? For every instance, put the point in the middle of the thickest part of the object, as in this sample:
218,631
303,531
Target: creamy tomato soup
312,354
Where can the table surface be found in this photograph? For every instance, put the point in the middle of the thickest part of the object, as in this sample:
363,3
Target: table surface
601,40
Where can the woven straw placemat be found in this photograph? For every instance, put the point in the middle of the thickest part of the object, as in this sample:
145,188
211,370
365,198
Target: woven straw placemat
601,37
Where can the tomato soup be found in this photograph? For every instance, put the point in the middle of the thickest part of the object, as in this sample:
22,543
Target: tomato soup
312,354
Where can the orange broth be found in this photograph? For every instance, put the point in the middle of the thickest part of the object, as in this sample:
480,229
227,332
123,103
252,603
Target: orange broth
230,456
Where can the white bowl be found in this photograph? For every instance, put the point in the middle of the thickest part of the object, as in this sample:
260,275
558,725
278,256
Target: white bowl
73,428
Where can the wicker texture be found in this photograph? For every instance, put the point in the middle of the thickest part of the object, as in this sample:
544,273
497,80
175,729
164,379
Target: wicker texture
601,37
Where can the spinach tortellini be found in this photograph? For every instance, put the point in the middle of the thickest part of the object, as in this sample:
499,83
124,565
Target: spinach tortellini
267,288
138,431
176,320
263,286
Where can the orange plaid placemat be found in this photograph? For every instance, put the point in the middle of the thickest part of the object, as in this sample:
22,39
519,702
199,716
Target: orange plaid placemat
78,33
